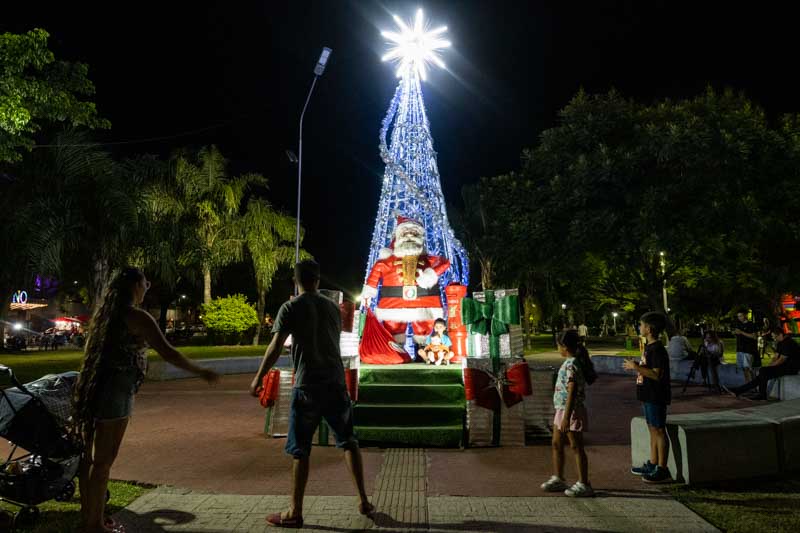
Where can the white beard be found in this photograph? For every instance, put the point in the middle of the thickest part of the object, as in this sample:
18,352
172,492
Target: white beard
409,247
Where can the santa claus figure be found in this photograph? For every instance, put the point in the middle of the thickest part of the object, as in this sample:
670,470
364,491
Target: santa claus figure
410,290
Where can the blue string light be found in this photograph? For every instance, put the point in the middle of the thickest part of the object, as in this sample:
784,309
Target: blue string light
411,183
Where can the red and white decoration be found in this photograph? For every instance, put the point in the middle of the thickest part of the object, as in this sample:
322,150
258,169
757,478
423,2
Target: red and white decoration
409,279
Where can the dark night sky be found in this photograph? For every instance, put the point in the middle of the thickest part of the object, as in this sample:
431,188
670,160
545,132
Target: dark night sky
239,71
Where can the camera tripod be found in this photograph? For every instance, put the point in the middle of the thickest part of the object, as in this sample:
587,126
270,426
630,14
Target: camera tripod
701,362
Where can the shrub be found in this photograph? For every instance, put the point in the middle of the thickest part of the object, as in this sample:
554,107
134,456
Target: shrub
228,319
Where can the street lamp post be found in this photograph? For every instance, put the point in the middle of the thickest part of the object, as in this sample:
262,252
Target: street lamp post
664,280
614,315
318,70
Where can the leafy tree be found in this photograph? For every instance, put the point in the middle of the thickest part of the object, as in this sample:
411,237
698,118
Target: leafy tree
73,210
227,319
36,89
471,225
617,183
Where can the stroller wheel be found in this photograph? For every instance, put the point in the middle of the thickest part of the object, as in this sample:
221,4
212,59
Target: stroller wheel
25,518
66,494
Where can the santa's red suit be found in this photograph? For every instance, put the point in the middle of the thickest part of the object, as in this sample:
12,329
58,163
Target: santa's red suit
404,300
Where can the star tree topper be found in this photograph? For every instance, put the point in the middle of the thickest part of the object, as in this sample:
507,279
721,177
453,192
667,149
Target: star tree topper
415,47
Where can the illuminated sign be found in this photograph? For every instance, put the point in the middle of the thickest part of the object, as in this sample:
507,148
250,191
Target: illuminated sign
20,297
19,302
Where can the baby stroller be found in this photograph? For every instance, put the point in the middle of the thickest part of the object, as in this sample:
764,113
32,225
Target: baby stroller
33,417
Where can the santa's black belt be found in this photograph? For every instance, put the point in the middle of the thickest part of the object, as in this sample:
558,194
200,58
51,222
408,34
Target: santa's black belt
397,292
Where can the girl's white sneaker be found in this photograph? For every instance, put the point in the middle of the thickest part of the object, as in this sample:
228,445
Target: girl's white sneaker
554,484
579,490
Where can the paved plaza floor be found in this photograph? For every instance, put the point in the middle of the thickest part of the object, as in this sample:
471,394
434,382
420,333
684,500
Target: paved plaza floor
217,472
205,450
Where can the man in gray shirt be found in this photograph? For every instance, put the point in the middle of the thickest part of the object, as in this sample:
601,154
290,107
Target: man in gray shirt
314,322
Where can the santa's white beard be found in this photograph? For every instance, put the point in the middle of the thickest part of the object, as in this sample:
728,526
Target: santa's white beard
409,247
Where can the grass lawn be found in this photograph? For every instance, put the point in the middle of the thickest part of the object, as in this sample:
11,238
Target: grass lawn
62,517
35,364
540,343
746,506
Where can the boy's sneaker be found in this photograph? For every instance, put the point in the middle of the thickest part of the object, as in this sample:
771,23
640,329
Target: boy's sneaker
580,490
554,484
659,475
646,468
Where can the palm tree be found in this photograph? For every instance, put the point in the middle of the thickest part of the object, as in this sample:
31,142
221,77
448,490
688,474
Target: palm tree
77,210
213,201
165,251
269,236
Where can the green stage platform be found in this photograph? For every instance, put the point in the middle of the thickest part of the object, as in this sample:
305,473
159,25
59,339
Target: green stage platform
410,405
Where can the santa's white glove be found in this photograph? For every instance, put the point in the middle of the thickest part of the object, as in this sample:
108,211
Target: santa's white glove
427,278
367,294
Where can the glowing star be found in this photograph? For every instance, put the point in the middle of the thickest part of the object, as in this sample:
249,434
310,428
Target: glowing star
415,46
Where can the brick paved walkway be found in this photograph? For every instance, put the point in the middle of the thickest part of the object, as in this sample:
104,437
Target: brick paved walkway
209,442
403,506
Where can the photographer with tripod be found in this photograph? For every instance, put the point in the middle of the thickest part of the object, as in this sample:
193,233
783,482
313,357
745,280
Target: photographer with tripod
709,356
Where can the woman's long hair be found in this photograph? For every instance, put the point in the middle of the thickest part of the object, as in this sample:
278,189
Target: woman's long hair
571,340
103,336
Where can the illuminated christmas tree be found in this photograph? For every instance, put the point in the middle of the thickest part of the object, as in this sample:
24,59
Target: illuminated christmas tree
411,186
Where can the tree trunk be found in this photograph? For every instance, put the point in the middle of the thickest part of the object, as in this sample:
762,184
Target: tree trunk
206,285
262,298
99,277
487,274
162,318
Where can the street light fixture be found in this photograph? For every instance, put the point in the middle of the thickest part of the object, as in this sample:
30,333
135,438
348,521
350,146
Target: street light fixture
318,70
664,279
615,315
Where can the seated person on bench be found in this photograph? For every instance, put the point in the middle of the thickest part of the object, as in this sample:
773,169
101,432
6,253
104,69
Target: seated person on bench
786,362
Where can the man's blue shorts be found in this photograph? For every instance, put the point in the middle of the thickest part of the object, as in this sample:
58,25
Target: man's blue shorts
655,414
310,404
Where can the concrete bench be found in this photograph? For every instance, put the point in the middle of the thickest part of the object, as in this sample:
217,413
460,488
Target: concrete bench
786,387
726,445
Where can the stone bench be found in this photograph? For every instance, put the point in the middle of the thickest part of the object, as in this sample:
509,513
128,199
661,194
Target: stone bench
725,445
786,387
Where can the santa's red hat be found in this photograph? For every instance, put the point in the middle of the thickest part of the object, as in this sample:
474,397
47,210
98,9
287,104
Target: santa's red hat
401,222
406,221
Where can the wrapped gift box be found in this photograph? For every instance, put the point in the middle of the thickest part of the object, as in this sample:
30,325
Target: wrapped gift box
278,424
539,410
480,420
512,344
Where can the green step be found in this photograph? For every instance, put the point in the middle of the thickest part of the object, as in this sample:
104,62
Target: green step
414,373
436,436
408,415
405,393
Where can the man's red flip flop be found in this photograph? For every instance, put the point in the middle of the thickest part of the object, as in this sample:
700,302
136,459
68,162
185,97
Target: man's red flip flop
276,520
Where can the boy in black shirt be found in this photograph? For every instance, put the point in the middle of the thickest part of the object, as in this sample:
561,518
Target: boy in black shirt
786,362
654,391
